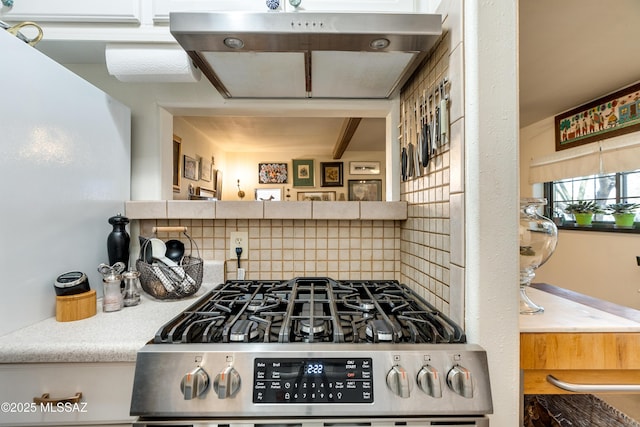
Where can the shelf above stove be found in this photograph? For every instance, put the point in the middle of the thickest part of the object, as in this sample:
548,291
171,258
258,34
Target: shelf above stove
196,209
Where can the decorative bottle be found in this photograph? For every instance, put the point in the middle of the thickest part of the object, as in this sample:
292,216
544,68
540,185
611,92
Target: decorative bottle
118,241
538,239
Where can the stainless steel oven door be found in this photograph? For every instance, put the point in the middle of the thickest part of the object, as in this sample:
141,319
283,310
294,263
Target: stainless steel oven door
426,421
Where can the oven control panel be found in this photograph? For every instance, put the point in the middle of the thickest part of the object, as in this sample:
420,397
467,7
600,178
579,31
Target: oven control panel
304,380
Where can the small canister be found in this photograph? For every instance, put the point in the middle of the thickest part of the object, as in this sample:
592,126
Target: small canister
112,300
71,283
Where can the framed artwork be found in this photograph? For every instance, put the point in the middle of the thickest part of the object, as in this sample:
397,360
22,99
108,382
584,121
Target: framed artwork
316,196
609,116
364,168
365,190
205,170
190,168
218,186
303,173
331,174
268,194
272,173
177,156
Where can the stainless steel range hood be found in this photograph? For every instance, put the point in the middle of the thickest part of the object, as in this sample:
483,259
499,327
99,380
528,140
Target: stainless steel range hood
305,54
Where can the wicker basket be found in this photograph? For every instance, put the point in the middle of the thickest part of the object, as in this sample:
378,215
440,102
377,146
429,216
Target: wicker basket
171,282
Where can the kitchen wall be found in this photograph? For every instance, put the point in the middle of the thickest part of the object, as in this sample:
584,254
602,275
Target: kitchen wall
602,265
244,166
282,249
195,143
432,248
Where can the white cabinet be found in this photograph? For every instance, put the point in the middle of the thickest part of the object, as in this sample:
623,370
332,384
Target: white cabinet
161,8
354,5
106,393
73,11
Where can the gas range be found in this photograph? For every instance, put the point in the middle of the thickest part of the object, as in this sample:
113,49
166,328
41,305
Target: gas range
311,347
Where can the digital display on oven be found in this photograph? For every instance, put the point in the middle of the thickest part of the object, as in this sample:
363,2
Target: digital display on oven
301,380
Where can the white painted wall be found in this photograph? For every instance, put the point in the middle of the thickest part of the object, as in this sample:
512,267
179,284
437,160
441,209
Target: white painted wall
491,196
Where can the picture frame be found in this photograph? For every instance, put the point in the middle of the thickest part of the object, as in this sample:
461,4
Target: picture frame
272,173
205,169
332,174
606,117
316,196
303,175
177,156
268,194
365,190
190,168
218,186
364,168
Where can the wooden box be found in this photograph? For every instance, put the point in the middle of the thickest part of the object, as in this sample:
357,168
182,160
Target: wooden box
76,307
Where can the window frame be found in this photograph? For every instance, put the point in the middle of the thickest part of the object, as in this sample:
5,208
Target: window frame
597,225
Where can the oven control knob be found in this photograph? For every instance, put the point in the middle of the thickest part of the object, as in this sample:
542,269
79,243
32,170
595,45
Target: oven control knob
460,381
429,381
194,383
227,383
398,381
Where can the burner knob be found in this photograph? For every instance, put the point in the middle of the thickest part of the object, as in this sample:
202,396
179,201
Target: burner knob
429,381
194,383
227,382
398,381
460,381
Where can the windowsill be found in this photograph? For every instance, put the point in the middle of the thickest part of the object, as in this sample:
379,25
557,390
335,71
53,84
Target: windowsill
606,227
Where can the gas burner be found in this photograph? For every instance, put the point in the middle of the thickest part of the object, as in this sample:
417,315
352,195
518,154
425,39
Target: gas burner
318,326
311,310
259,304
379,330
356,303
244,330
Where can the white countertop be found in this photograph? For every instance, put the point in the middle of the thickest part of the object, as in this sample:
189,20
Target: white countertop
563,315
106,337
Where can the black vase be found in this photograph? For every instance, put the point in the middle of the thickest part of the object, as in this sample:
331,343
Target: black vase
118,241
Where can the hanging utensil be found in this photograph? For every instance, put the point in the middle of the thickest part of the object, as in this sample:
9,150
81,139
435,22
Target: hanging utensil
444,114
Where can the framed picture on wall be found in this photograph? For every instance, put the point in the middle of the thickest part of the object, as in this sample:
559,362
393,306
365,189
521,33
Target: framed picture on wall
316,196
269,194
272,173
331,174
205,170
190,168
365,190
218,186
177,156
303,173
364,168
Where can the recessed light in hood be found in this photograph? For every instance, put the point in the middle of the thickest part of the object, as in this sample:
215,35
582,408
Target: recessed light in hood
305,54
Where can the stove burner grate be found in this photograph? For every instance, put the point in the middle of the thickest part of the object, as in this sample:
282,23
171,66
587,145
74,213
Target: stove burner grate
311,310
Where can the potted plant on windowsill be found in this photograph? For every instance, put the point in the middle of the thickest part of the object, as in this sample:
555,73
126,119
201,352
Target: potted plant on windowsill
583,211
624,214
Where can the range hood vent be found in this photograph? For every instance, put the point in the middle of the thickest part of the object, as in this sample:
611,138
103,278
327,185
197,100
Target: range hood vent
305,54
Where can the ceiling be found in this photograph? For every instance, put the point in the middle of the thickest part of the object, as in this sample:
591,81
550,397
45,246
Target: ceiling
575,51
571,52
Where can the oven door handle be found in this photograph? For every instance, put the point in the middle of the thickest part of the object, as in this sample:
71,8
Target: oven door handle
592,388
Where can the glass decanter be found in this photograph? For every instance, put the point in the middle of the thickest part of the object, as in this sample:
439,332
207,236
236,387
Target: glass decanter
538,240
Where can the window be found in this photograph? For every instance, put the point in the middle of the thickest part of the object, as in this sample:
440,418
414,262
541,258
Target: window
622,187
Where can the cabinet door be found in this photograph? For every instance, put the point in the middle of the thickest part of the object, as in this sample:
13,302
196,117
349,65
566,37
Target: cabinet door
73,11
406,6
106,393
161,8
